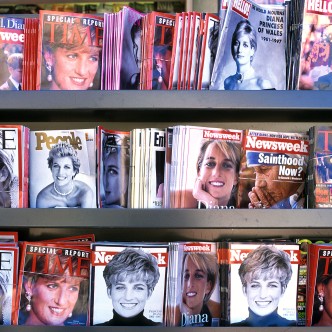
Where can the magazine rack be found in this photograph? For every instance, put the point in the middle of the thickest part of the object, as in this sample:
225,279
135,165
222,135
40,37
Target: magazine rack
270,110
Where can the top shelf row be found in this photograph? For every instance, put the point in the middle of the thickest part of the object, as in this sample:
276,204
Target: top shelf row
144,106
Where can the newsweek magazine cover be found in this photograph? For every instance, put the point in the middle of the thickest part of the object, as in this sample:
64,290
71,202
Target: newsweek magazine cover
193,285
315,60
262,283
14,156
273,170
318,284
9,256
304,243
204,167
251,48
120,274
69,51
11,52
63,169
320,167
53,285
158,50
113,152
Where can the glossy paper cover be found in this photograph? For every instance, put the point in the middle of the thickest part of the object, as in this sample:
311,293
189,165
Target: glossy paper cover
136,274
63,169
53,285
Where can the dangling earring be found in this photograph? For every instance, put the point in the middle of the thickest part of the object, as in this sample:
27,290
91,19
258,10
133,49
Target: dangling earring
28,296
160,78
321,299
49,75
91,85
70,315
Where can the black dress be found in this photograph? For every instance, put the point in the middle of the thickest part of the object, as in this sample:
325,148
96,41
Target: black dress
138,320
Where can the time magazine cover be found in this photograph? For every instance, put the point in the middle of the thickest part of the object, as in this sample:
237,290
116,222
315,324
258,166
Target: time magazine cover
14,157
9,255
128,284
53,286
273,170
63,169
11,52
204,167
315,61
69,51
193,285
158,51
251,48
319,284
263,284
303,276
113,150
320,167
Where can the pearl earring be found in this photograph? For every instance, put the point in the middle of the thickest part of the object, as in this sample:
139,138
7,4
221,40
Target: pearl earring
321,299
28,296
49,75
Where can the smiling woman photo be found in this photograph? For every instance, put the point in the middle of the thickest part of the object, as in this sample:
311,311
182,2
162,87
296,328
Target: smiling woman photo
265,274
64,191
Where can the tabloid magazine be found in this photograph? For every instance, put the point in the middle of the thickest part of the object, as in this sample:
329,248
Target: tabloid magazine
273,170
14,157
319,284
11,52
320,167
204,167
123,271
315,61
157,54
53,270
251,48
69,51
193,285
63,169
9,253
262,283
113,153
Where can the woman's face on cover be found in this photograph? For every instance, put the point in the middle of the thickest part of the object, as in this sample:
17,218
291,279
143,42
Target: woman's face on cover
263,295
129,296
115,178
75,69
195,286
62,171
218,174
242,49
53,301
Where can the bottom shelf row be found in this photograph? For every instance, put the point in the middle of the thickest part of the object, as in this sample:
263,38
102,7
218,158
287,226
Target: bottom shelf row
78,281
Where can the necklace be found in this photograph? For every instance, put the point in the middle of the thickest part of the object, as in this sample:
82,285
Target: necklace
63,194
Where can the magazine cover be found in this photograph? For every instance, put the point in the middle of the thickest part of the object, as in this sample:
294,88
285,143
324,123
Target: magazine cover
264,277
208,50
11,52
193,285
69,51
315,60
158,53
9,255
273,170
63,169
251,48
128,284
14,158
319,285
303,276
204,167
53,285
131,57
320,167
113,168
